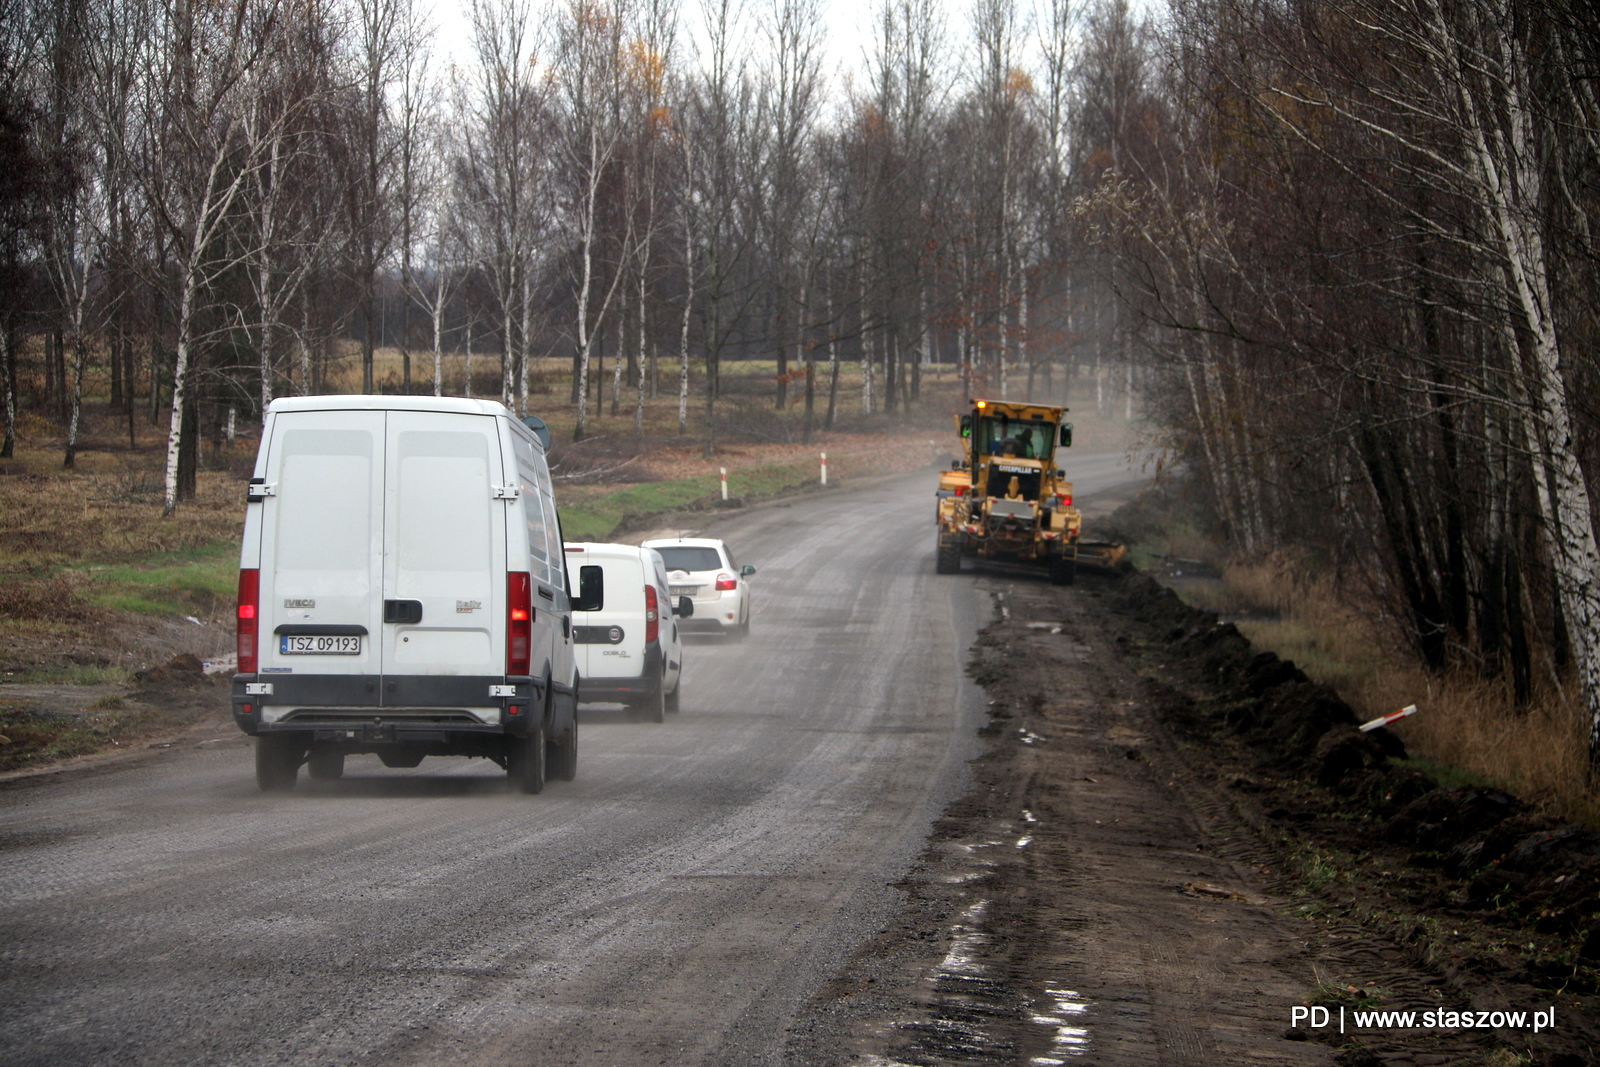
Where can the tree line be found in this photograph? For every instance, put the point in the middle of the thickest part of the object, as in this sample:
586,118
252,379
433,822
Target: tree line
1360,237
202,202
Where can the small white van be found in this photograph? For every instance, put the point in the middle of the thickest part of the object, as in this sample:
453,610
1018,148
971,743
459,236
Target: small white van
628,648
402,591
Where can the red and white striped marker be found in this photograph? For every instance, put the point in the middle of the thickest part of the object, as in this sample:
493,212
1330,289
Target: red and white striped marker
724,471
824,468
1393,716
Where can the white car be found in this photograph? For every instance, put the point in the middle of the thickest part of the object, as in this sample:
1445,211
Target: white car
704,570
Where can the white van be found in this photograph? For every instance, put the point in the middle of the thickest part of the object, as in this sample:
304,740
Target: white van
629,650
402,591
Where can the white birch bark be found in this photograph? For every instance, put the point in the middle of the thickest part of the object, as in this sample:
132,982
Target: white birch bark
1502,138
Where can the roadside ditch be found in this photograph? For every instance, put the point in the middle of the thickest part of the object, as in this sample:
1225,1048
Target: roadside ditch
1173,841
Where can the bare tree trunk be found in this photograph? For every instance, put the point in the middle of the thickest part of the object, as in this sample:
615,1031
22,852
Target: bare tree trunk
833,365
525,347
180,375
79,358
807,352
8,381
305,347
688,307
438,330
645,358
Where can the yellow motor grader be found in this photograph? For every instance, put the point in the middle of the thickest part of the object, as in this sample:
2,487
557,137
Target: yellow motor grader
1007,500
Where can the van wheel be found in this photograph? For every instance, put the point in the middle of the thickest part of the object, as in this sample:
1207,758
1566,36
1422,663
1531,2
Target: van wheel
652,707
277,762
325,765
562,758
672,698
525,760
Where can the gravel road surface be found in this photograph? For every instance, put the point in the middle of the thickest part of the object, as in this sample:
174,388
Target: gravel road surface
679,903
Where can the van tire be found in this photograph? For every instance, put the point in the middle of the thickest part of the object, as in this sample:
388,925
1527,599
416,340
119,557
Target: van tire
277,762
562,756
672,698
525,761
325,765
653,708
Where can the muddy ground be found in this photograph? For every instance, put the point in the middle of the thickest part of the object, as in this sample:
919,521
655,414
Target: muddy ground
1173,842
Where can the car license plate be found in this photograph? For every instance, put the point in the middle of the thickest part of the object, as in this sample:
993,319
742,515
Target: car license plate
684,590
319,645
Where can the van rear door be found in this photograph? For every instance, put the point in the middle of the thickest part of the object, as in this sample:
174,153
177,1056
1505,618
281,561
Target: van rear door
444,552
322,557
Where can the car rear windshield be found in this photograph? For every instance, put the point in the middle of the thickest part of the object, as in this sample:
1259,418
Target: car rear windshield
690,559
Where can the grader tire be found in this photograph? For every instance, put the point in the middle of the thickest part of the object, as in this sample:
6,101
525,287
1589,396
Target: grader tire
947,560
1063,569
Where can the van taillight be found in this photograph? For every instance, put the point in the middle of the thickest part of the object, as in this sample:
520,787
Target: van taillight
652,616
726,582
245,625
519,621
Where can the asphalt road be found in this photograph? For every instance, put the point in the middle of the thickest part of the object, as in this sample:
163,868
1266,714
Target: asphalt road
676,904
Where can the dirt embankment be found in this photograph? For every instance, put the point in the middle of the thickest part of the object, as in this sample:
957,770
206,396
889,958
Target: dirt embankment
1174,841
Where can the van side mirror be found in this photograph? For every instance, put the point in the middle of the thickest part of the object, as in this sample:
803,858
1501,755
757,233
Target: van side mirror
591,589
1066,435
746,571
540,430
685,608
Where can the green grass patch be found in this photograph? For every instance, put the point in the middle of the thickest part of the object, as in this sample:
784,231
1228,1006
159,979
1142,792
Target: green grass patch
32,739
597,514
181,582
1447,776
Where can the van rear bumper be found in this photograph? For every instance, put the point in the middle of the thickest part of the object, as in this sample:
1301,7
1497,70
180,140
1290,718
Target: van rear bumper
401,707
620,690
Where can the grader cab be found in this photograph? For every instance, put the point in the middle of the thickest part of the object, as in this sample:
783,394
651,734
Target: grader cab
1004,498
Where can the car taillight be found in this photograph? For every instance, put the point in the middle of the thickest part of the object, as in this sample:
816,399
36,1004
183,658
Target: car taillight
519,621
245,624
652,616
726,581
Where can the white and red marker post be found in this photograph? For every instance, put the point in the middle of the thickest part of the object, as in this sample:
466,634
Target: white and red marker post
1385,720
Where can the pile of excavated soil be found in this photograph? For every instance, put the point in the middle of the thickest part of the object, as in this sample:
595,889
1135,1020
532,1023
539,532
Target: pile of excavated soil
1471,853
1173,841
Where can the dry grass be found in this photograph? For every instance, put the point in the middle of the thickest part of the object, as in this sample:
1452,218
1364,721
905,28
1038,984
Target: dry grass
106,509
1468,728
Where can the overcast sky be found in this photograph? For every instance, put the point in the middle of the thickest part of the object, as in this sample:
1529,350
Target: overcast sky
846,34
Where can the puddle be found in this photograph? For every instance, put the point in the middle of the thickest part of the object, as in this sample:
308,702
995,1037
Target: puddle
962,879
1065,1015
962,957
